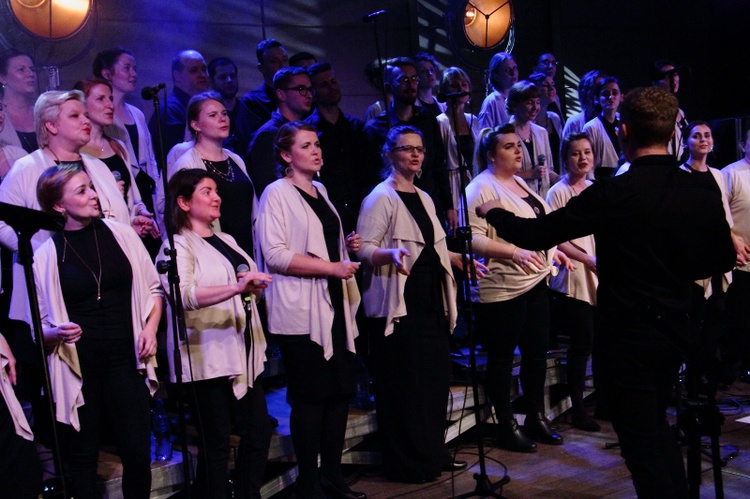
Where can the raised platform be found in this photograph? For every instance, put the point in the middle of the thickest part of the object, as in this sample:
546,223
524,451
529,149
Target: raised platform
167,475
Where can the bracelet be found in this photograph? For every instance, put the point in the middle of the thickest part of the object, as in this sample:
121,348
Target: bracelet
513,257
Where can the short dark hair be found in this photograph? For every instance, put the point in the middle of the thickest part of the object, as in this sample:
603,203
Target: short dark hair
606,81
264,45
586,94
195,104
219,61
106,59
426,57
657,73
7,55
397,62
317,68
284,75
301,56
520,92
182,184
51,183
488,140
649,114
284,141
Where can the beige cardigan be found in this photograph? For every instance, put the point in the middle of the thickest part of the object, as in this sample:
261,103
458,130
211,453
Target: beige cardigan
506,279
64,369
385,222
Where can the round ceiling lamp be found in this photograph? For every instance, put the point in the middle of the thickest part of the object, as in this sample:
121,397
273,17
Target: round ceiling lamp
52,19
487,22
477,29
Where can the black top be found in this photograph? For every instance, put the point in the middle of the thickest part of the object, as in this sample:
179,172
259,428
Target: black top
236,193
434,178
342,144
28,141
260,159
173,124
331,233
535,204
611,129
466,148
110,317
231,255
657,229
116,164
433,108
428,256
529,144
134,139
254,109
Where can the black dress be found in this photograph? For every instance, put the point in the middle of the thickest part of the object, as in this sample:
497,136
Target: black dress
411,368
311,377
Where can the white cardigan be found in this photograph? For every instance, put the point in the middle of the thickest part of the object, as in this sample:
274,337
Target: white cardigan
145,148
540,138
385,222
506,279
300,305
19,188
215,345
604,151
582,282
20,423
64,369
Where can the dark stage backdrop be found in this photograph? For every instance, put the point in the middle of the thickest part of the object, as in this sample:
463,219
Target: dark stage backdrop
622,37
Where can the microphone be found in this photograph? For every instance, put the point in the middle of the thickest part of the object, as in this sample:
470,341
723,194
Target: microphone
149,93
451,95
246,297
117,175
368,18
544,181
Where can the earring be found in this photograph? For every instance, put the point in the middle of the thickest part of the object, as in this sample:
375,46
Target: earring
288,171
64,213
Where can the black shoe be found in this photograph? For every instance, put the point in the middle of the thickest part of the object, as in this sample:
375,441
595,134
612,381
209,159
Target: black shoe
454,466
538,428
342,491
512,438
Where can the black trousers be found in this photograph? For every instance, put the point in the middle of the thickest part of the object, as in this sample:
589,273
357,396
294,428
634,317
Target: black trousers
638,361
737,340
522,321
576,319
217,408
112,389
20,470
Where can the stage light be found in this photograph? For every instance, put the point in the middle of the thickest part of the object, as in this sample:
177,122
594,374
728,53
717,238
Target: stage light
487,22
52,19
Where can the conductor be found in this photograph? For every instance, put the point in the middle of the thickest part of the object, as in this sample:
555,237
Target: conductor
657,229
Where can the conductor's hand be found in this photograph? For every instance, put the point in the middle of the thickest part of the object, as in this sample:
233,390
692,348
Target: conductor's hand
344,270
483,209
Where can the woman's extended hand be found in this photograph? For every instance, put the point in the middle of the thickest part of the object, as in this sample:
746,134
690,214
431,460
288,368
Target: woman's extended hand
146,344
253,282
144,225
482,209
68,332
397,255
344,270
562,260
353,242
458,262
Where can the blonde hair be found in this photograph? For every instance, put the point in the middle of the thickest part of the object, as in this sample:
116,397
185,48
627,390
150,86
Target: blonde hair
47,108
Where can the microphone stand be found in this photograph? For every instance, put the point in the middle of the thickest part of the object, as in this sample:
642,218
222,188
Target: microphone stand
484,487
374,21
25,223
169,267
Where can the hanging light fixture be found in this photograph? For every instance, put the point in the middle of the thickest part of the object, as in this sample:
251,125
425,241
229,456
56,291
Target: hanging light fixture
52,19
487,22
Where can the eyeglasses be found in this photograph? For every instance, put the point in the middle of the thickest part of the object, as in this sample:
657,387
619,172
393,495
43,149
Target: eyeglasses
407,79
411,149
303,90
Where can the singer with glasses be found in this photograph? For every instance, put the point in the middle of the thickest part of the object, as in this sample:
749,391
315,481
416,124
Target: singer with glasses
112,152
100,303
523,105
512,301
311,308
224,350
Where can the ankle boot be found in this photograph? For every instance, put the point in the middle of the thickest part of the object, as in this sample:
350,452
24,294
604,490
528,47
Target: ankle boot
511,437
538,428
581,418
